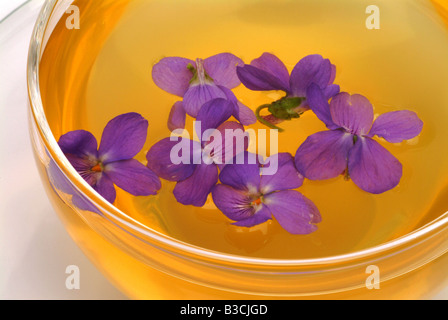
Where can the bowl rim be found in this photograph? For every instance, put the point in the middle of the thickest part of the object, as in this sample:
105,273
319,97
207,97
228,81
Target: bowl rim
37,115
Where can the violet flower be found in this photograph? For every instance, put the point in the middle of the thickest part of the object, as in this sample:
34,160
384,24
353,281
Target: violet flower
197,175
113,163
268,73
60,183
251,198
348,146
198,82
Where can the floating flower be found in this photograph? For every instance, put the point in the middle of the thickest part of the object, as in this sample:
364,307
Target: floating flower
60,183
268,73
250,197
113,163
198,82
349,146
197,174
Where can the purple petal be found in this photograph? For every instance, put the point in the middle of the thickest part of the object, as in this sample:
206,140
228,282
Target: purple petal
242,176
311,69
241,112
83,203
123,137
195,189
160,158
259,80
285,177
212,114
177,117
172,75
332,75
133,177
105,187
354,113
324,155
84,167
79,142
372,167
60,182
331,91
199,94
294,212
233,140
244,114
274,66
318,103
261,215
397,126
81,164
222,69
58,179
234,203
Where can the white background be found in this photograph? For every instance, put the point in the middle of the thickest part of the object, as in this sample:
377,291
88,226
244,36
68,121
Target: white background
35,249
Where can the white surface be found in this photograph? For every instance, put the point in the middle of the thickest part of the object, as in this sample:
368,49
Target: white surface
35,249
7,6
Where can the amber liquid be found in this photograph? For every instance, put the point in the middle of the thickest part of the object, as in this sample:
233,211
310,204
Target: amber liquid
90,75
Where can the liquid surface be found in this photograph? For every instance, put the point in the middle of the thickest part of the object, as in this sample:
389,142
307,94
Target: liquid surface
90,75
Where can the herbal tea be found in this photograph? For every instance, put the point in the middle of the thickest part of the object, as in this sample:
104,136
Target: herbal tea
361,116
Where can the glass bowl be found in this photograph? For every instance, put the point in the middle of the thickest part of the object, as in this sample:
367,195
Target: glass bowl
145,264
